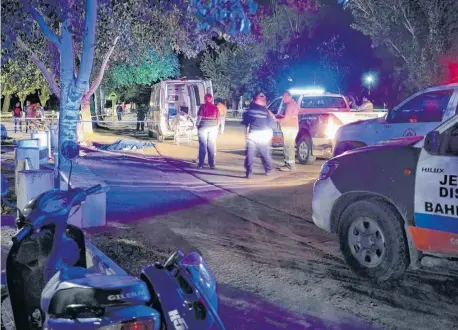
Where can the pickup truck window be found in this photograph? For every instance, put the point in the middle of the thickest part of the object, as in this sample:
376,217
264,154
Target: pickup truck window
312,102
424,108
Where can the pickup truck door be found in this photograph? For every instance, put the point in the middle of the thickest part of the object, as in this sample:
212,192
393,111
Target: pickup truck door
436,194
416,116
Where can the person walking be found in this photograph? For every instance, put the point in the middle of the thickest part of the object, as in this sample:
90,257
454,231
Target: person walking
222,108
141,114
207,124
17,115
289,124
119,111
259,123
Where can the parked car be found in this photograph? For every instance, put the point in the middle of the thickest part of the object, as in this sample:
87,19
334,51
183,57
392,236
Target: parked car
415,116
393,203
320,116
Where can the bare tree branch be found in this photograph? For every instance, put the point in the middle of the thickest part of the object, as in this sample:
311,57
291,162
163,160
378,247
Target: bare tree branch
48,33
87,57
46,73
101,73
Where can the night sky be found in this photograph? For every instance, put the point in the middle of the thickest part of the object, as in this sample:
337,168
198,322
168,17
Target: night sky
332,19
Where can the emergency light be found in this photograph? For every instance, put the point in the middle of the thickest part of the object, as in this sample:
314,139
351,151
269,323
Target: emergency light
307,91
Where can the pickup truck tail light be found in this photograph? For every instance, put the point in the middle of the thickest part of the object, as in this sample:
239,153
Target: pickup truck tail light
331,128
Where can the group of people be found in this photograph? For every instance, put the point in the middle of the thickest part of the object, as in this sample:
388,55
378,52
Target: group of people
260,123
30,112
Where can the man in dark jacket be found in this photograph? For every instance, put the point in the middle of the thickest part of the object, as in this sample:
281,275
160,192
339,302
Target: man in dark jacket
141,114
259,123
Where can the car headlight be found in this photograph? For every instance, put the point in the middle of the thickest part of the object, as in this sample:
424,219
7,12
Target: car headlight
327,169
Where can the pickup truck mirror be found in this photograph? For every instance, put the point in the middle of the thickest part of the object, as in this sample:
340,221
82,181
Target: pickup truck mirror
432,143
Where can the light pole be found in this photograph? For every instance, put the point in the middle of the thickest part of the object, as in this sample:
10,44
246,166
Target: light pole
369,81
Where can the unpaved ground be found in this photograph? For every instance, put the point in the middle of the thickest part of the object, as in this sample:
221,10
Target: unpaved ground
236,230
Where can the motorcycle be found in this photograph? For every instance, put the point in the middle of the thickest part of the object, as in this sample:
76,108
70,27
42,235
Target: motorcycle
50,286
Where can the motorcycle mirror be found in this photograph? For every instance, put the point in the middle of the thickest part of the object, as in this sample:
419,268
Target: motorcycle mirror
191,259
4,187
70,150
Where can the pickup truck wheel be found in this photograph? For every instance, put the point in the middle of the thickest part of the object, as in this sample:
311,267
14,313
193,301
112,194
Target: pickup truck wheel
304,151
372,240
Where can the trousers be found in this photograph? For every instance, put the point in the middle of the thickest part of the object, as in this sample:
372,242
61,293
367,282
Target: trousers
289,145
207,144
258,141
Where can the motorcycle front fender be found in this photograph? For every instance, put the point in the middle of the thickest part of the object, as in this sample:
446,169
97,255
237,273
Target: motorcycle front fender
178,301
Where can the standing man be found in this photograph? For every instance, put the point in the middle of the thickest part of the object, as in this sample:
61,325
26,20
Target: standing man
207,123
17,114
119,112
259,123
289,124
141,114
222,108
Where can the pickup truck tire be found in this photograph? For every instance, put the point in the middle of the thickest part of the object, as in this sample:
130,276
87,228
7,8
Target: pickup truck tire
373,241
304,150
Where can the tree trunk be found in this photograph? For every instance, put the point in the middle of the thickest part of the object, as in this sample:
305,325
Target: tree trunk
86,118
6,103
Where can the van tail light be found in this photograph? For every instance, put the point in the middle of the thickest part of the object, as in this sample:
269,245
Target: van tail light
327,169
130,325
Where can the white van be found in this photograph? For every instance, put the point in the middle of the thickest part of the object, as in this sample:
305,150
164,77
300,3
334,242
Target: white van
168,98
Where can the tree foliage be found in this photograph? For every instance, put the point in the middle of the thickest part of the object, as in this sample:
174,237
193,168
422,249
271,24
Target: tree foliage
418,32
232,68
23,78
331,59
252,62
150,69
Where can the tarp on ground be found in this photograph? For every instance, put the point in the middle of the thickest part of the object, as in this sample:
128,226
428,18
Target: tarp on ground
126,144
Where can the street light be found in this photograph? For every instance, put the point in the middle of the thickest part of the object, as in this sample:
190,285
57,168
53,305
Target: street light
369,80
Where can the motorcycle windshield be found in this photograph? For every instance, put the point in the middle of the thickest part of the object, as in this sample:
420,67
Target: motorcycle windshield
202,277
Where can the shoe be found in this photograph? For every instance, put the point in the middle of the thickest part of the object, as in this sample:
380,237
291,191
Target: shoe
213,167
200,167
249,175
286,168
269,172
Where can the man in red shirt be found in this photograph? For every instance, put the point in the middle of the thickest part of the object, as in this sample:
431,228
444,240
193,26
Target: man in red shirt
207,123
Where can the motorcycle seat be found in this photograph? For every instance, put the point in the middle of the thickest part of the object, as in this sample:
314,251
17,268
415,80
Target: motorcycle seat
78,286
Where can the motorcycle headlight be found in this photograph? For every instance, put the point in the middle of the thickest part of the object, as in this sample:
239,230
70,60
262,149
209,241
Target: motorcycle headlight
131,325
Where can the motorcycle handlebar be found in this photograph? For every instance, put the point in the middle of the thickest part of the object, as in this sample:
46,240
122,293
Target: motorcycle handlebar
93,189
21,234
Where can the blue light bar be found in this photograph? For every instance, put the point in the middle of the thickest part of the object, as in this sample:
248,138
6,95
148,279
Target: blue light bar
307,91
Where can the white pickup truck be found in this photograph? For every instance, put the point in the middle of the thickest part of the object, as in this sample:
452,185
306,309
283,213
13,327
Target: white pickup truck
320,116
415,116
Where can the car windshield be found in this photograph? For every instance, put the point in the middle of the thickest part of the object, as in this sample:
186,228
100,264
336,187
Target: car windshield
310,102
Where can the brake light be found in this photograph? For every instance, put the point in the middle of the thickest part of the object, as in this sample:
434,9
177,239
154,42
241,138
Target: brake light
413,120
327,169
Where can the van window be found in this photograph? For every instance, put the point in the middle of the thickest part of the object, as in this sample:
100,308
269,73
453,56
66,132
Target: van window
196,91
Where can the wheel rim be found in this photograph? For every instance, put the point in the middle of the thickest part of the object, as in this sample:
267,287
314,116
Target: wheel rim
303,150
367,242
